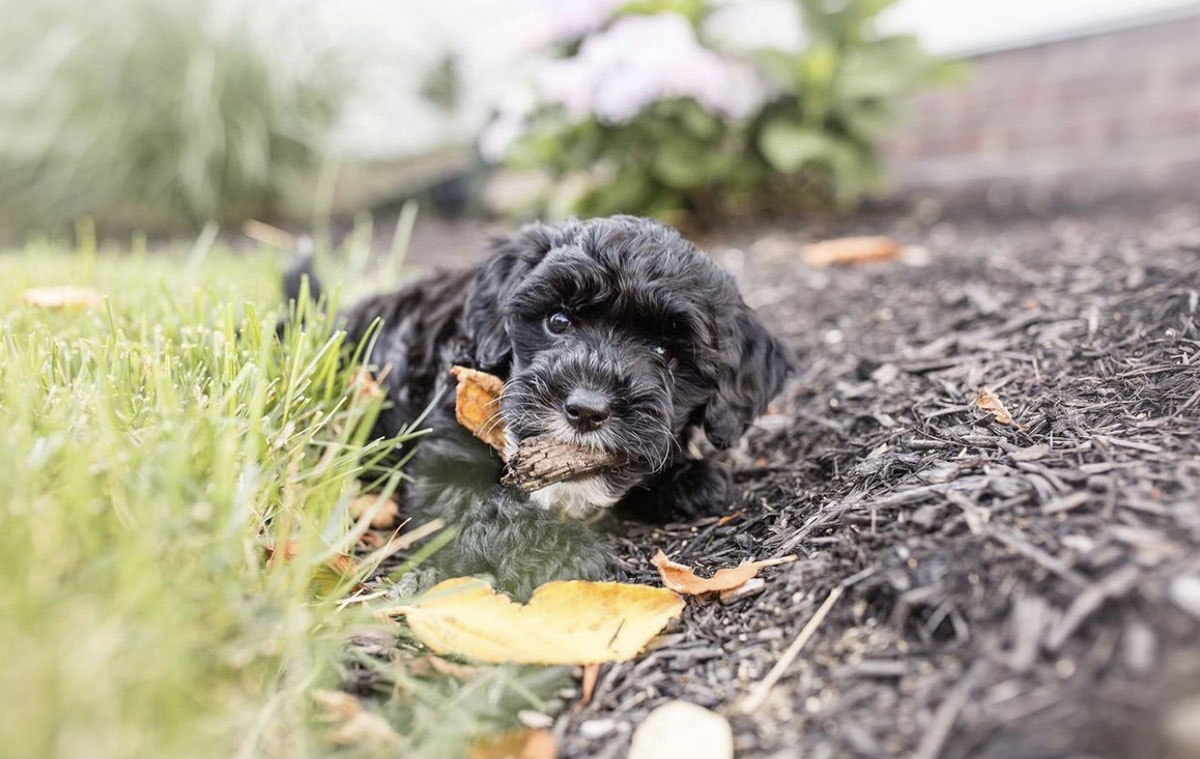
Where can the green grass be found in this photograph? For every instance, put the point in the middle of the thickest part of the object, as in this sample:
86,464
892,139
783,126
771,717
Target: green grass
150,450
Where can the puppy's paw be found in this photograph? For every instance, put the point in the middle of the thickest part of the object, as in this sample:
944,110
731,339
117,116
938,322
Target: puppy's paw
700,489
686,491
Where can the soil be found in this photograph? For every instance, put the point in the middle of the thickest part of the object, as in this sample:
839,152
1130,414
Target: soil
1000,591
964,588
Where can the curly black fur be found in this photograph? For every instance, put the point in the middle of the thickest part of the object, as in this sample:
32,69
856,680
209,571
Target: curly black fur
614,333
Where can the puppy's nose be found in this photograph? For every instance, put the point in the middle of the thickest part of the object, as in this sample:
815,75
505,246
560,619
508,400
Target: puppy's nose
586,410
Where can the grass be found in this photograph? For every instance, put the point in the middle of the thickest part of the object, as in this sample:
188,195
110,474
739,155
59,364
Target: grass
152,449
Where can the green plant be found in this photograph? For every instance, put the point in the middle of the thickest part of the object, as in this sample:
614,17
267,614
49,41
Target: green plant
153,113
154,448
641,116
837,97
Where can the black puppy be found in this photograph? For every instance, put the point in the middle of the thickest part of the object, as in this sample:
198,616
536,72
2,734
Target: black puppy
613,333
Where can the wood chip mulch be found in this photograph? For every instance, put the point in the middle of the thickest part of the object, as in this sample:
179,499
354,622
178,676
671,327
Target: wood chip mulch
999,590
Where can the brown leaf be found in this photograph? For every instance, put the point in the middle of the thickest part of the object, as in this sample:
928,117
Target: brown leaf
385,514
565,622
325,578
991,403
364,385
528,743
354,724
591,673
850,250
477,405
424,666
65,296
681,579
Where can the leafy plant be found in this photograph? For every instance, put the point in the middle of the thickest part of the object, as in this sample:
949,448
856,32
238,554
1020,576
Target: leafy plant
837,97
147,113
642,116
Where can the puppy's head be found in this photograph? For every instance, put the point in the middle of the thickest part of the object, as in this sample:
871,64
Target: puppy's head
617,334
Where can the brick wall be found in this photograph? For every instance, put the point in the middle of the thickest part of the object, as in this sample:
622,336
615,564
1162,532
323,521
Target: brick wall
1109,109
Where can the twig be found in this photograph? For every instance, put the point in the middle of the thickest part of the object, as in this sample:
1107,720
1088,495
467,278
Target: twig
1031,551
763,689
947,715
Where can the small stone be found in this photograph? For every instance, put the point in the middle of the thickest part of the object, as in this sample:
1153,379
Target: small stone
1181,728
678,728
534,719
1184,592
594,729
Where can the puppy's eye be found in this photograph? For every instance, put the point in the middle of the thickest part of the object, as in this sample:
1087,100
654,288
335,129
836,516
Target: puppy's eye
558,322
660,350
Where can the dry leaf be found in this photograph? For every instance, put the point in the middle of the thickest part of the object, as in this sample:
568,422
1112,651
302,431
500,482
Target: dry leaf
679,728
62,297
326,578
364,385
477,405
355,725
990,402
591,673
424,666
850,250
385,515
568,622
529,743
681,579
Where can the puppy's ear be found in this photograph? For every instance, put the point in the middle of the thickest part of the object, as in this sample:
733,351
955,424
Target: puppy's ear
753,368
510,259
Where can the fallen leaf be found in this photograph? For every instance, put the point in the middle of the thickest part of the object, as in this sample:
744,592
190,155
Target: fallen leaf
530,743
385,514
424,666
991,403
565,622
477,405
591,673
850,250
369,541
681,579
679,728
326,578
364,386
355,724
62,297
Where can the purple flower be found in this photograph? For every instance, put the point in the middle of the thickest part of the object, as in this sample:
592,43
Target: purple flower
639,60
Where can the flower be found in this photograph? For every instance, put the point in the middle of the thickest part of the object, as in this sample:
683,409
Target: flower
639,60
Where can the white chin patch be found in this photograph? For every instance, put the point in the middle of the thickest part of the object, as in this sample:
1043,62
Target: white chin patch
575,498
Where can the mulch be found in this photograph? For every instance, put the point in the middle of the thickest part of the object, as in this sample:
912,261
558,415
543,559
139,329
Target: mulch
1025,590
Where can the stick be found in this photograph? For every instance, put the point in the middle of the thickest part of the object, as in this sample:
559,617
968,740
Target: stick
763,689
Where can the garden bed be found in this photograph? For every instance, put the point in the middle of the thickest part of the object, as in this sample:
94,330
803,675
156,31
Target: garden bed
999,590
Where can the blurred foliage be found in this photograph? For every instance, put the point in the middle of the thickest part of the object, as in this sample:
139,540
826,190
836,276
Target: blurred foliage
813,137
156,446
150,112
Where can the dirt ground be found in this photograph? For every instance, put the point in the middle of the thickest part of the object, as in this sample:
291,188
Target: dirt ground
1005,591
964,588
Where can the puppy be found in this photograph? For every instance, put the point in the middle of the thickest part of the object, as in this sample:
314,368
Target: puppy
613,333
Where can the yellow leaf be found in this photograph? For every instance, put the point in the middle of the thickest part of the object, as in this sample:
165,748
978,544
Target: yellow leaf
568,622
477,405
681,579
62,297
529,743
